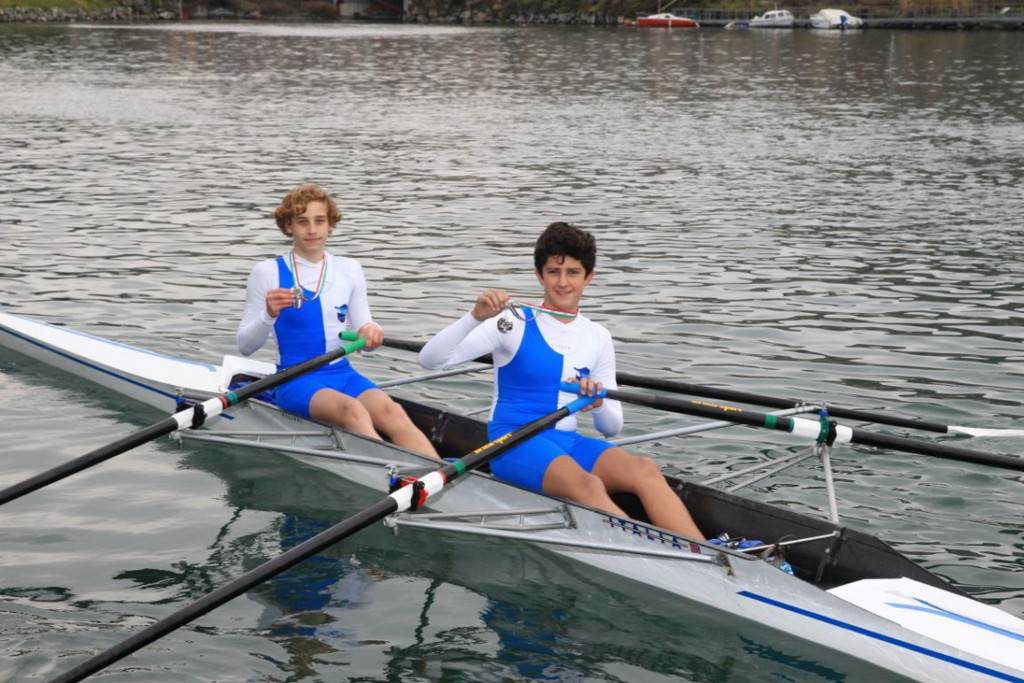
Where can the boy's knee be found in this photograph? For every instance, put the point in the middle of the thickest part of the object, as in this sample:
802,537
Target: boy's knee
350,409
647,468
591,486
393,414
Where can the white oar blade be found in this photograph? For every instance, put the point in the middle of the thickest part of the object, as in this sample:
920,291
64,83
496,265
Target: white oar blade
981,431
982,630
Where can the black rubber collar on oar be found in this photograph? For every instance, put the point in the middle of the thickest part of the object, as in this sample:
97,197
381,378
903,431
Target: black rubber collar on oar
839,434
190,417
398,501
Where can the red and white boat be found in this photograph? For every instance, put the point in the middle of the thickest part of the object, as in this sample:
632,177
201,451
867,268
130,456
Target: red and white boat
666,20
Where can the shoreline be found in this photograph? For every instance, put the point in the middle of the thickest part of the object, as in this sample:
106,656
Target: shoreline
125,15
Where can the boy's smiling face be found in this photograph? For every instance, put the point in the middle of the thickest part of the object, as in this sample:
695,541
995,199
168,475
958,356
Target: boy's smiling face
564,278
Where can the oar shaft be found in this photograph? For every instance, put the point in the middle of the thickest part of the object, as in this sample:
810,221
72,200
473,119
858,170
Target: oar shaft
676,387
416,346
293,371
938,450
179,420
66,469
789,424
211,601
396,502
673,386
703,409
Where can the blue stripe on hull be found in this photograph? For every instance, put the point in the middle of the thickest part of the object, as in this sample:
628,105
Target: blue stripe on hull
956,661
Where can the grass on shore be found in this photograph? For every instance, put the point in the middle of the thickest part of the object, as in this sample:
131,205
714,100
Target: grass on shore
61,4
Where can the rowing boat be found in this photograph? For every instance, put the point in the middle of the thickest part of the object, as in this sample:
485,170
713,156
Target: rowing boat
849,591
665,20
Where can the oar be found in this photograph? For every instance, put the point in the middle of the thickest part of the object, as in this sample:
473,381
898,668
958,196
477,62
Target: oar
412,495
672,386
191,417
676,387
823,430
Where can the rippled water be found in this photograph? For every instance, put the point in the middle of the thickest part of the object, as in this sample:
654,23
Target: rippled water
791,213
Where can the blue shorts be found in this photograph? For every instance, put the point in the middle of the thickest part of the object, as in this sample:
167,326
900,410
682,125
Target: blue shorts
526,463
294,396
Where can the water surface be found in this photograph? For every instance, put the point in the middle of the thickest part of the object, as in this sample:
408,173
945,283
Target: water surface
794,213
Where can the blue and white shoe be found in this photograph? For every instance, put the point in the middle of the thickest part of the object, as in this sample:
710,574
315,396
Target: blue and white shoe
738,543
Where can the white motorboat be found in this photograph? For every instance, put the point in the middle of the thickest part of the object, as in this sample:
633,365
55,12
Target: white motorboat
849,591
776,18
835,19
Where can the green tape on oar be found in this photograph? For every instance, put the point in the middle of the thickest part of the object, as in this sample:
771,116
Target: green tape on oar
349,335
353,346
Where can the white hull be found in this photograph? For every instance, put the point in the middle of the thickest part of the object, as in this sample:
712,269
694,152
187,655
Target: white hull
773,19
835,19
723,581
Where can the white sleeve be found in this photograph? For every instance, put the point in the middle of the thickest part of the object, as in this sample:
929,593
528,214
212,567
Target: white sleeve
256,323
465,339
358,303
608,418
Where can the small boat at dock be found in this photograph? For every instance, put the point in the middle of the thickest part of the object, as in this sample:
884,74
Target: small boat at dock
835,19
666,20
776,18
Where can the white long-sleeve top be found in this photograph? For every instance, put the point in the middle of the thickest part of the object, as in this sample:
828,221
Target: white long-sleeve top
345,285
584,346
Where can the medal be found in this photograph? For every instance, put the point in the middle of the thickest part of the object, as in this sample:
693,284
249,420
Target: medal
297,294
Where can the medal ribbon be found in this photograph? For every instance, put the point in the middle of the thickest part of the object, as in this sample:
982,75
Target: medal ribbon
514,306
320,279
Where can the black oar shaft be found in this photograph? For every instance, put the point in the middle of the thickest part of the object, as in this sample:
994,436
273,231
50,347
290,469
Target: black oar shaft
211,601
673,386
676,387
168,425
785,424
938,450
95,457
416,346
336,533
